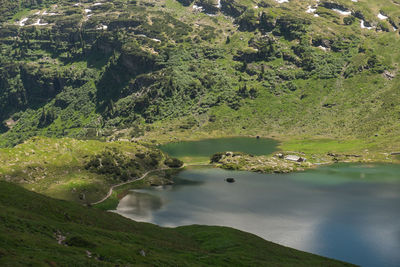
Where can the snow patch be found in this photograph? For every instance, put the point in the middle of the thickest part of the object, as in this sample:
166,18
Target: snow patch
48,14
311,9
323,48
22,22
381,16
282,1
365,27
37,23
342,12
197,8
102,27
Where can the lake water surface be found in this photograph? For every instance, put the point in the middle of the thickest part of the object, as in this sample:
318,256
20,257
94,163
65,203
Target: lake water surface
207,147
350,212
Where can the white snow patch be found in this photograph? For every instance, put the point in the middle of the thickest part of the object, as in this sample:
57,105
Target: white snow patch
48,14
282,1
156,40
323,48
37,23
22,22
355,1
97,4
365,27
342,12
102,27
87,10
311,9
197,8
219,4
381,16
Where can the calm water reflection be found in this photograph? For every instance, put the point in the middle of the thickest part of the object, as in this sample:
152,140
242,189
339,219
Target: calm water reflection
347,212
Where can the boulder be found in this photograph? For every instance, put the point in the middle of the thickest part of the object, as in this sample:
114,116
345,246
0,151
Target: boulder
295,158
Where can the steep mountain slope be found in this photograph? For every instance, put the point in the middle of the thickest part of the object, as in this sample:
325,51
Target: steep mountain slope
39,231
86,68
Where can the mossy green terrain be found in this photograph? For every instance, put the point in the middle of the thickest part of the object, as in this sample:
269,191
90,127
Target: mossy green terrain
103,82
66,168
124,69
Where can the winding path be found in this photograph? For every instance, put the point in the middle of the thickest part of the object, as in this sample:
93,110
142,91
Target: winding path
141,178
128,182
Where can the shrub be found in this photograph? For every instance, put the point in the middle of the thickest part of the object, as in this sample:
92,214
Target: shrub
77,241
216,157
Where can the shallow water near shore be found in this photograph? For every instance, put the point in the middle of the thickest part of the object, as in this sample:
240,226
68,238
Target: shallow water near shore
203,149
349,212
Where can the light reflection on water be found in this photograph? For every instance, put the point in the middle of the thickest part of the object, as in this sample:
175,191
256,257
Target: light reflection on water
347,212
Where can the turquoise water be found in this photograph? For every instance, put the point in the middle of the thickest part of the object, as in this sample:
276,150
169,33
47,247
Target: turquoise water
208,147
350,212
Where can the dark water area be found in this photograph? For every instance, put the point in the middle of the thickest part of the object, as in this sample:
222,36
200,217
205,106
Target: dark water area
208,147
349,212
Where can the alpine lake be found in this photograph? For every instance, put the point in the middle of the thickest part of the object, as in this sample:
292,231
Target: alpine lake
349,212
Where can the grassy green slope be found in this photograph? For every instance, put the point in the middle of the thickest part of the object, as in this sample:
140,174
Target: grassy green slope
163,64
30,224
59,167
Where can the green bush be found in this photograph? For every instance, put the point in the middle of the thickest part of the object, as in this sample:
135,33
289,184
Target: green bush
216,157
77,241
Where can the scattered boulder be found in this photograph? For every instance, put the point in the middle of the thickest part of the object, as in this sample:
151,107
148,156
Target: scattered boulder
388,75
230,180
353,155
82,196
328,105
295,158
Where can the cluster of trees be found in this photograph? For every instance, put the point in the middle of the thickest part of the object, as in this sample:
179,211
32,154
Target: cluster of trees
114,163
